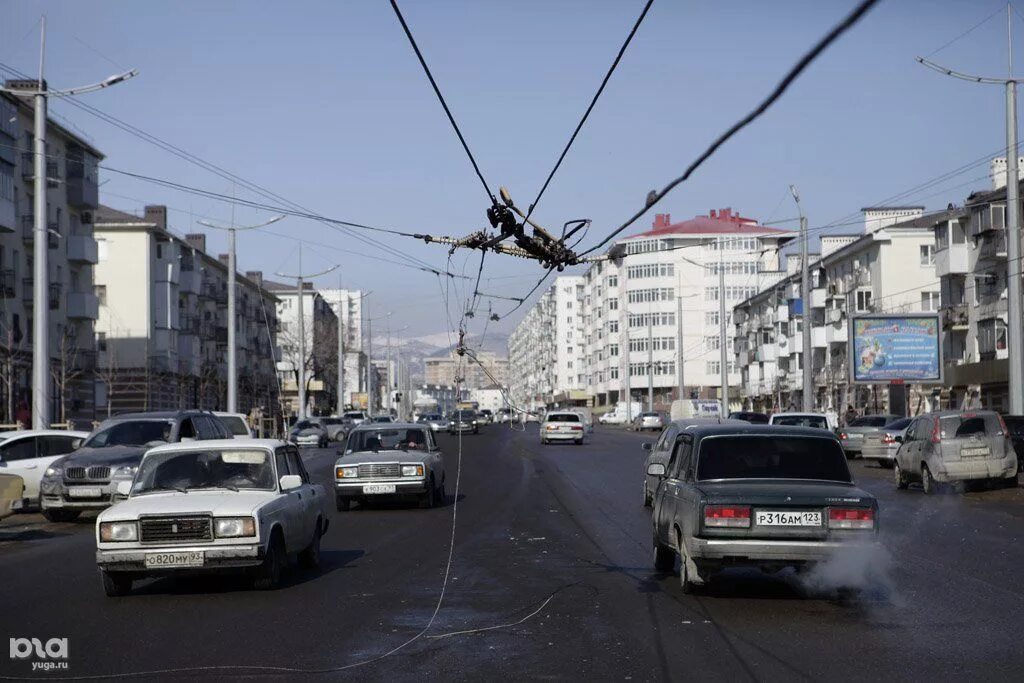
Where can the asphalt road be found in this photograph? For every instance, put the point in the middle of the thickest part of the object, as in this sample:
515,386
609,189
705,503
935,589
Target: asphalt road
550,577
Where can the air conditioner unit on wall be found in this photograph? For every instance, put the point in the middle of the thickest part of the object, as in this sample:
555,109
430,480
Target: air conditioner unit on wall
835,315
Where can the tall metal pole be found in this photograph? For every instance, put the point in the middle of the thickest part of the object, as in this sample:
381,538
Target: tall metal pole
650,361
389,367
723,344
40,254
680,354
805,305
341,351
232,318
1014,318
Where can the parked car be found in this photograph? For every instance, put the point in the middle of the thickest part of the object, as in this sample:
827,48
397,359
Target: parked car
309,432
12,492
209,506
952,446
87,478
237,424
358,417
660,451
29,452
756,496
815,420
487,416
649,420
852,435
881,446
435,421
1015,423
463,421
503,415
337,427
386,461
749,416
562,426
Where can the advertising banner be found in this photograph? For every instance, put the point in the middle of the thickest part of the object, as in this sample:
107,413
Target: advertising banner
896,348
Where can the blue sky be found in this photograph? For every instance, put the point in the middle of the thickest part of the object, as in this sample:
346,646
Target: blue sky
325,103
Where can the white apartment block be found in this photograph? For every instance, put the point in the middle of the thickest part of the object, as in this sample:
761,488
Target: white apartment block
451,369
631,322
888,269
347,305
163,317
320,344
546,349
71,197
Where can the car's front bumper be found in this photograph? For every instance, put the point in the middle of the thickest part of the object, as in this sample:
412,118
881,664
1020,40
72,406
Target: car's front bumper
54,494
979,468
754,551
408,486
463,428
313,440
214,557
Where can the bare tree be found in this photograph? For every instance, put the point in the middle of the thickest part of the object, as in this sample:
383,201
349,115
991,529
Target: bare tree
71,361
109,370
11,356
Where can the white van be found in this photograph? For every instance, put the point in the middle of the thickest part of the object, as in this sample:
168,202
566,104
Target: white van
689,408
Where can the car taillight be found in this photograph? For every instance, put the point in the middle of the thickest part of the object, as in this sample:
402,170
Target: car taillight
936,437
842,435
577,428
851,518
1002,426
727,515
888,438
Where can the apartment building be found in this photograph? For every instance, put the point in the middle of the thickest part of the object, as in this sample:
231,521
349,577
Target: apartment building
321,347
162,328
71,198
655,303
452,369
347,305
888,268
546,350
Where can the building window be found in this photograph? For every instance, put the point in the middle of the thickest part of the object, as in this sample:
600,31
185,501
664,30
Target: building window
863,300
711,293
613,350
101,294
711,343
927,255
991,338
613,304
613,372
101,341
613,326
613,280
929,301
711,318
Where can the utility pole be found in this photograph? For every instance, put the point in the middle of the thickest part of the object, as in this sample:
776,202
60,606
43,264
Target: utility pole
341,350
1014,317
232,305
650,361
680,354
389,366
805,301
723,349
39,91
369,367
300,279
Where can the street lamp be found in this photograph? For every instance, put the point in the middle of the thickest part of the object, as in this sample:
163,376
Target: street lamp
232,359
805,296
39,92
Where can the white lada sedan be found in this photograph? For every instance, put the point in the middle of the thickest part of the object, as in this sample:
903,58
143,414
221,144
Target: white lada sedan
210,506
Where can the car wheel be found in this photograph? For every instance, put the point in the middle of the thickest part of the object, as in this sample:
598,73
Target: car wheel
115,585
647,496
309,558
343,504
898,477
927,481
52,515
268,574
429,499
664,557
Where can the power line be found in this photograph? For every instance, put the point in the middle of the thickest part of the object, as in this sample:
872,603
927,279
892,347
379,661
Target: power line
848,22
965,33
440,97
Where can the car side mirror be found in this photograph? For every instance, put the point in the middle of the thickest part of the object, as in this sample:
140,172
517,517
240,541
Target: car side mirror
124,488
656,469
647,446
290,482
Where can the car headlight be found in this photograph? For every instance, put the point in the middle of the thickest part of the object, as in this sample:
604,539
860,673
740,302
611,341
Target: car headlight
53,471
412,470
234,527
346,472
126,471
114,532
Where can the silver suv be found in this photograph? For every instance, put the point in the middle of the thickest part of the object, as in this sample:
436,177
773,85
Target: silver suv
952,446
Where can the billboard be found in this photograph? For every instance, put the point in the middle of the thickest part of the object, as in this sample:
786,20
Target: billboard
896,348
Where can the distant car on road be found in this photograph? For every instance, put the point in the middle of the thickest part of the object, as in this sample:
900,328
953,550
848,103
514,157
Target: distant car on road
756,496
815,420
487,416
462,421
435,421
28,453
309,432
357,416
386,461
236,424
952,446
881,446
562,426
337,427
852,435
503,415
649,420
209,506
87,478
749,416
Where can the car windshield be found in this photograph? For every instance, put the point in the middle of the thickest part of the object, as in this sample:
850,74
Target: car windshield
899,424
756,418
563,417
235,424
818,421
200,469
434,417
387,439
968,424
382,418
650,415
306,424
870,421
131,433
463,415
771,457
355,415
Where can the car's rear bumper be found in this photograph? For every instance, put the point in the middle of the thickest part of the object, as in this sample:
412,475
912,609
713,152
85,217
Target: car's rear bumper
981,468
562,436
224,557
754,551
880,454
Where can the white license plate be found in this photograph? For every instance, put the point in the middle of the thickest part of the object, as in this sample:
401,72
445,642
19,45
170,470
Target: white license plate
84,492
974,452
378,488
189,559
772,518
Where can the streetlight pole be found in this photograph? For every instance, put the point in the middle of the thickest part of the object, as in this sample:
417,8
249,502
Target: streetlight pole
232,313
680,354
1014,313
723,350
650,360
805,297
300,279
39,92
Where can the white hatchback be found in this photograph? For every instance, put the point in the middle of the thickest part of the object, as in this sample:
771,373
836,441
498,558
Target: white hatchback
28,452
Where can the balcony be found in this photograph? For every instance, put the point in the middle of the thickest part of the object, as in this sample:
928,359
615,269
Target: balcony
794,344
836,333
8,217
818,296
190,281
52,174
83,305
782,313
82,249
767,352
953,260
83,361
83,193
28,165
28,231
818,340
55,291
955,317
992,246
7,283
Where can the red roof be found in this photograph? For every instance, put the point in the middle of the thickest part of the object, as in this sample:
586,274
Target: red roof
722,221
